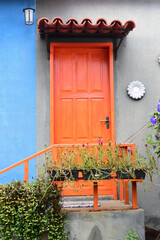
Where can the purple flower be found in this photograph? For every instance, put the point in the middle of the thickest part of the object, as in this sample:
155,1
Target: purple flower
129,150
154,147
101,143
158,107
24,180
83,145
62,164
156,137
99,140
40,188
98,148
153,120
109,144
64,153
146,145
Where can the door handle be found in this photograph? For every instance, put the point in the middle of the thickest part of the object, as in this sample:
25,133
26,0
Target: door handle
107,122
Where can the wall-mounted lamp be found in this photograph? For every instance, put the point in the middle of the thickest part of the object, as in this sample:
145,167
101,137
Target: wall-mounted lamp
28,14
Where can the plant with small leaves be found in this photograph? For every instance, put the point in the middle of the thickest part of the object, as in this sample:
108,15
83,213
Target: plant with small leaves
132,235
27,210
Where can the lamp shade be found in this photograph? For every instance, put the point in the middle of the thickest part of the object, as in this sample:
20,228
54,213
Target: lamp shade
28,15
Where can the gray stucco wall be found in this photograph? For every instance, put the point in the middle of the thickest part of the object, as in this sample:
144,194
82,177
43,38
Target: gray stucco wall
137,60
108,225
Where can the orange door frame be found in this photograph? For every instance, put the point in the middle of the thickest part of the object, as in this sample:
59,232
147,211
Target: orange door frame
111,81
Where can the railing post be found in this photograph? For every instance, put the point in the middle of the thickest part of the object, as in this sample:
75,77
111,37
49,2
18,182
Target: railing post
133,149
26,170
134,195
126,192
121,195
95,194
114,187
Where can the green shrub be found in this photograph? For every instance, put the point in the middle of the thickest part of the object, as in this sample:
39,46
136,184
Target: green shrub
27,210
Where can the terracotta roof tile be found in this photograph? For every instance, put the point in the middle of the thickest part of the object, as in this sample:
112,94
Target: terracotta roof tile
86,26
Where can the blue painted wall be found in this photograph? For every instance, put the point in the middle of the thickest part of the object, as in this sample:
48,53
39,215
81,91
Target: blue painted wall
17,89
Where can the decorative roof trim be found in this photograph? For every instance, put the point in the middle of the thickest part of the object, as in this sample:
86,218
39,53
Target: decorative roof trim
86,26
101,29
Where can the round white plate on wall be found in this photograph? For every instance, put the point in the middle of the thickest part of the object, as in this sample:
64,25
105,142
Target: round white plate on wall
136,90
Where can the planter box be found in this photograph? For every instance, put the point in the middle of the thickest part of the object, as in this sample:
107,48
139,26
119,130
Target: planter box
67,175
139,174
93,174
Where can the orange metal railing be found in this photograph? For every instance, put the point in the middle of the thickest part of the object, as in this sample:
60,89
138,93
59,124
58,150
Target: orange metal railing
26,163
26,160
123,184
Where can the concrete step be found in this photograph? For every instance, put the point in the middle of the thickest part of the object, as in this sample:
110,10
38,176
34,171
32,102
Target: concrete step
85,198
83,201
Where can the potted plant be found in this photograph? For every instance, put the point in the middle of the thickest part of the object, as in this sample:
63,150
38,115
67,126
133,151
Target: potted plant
94,162
65,166
128,169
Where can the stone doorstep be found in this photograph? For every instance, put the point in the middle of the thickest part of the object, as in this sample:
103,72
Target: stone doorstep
79,204
85,203
82,201
85,198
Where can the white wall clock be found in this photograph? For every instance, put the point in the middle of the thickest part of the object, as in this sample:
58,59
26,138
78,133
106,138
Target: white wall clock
136,90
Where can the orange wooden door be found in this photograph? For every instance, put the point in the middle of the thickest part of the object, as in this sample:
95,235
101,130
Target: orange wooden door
82,98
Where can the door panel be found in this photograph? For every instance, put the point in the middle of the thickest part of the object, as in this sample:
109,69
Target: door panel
66,113
82,124
81,72
97,127
81,96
